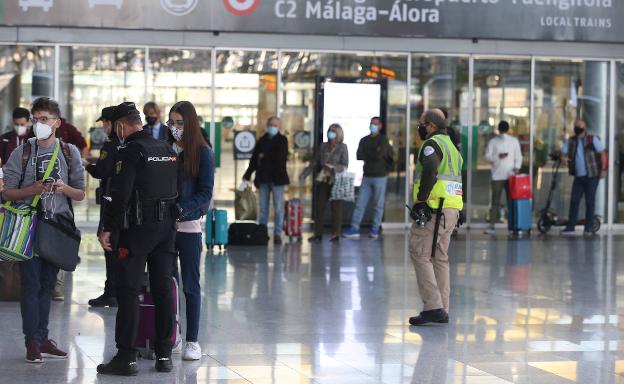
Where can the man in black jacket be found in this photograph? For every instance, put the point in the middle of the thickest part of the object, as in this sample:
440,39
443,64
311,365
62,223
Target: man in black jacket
376,152
269,162
104,170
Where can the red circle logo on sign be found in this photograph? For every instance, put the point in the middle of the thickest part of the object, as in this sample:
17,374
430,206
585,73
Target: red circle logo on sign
241,7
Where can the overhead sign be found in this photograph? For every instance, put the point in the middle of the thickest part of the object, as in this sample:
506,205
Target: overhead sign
244,143
560,20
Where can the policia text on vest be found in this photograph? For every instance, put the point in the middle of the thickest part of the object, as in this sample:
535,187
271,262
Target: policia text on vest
437,187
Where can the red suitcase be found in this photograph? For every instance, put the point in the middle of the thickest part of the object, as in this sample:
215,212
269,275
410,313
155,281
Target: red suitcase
293,218
520,187
146,334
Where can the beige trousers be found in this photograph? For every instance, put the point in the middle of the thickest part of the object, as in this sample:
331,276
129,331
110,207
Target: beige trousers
433,273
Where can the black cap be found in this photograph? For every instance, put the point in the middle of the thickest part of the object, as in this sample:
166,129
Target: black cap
125,109
108,113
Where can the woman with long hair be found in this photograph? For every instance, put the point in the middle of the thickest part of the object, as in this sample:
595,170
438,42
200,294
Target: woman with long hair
332,158
197,162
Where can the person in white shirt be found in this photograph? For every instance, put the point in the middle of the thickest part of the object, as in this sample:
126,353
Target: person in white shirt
505,155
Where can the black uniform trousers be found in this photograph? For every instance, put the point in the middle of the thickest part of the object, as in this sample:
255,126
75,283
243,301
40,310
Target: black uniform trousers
154,244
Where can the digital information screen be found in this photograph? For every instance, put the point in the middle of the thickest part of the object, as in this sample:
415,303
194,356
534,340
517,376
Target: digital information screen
352,105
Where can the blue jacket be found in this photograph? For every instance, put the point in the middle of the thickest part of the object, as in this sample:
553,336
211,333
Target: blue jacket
196,193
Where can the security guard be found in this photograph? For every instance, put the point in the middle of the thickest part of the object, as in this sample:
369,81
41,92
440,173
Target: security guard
143,210
104,169
438,201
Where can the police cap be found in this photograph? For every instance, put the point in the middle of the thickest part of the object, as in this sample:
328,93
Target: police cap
125,109
108,113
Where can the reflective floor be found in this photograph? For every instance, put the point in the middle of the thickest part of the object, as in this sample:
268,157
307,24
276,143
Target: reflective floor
545,310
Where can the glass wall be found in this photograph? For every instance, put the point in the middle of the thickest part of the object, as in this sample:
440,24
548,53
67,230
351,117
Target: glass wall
26,72
301,72
502,91
618,169
564,91
246,92
439,82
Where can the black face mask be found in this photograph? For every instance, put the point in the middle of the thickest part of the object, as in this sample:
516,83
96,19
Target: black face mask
151,120
422,131
578,130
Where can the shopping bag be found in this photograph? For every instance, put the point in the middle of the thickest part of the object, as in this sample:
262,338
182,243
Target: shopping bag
245,204
344,187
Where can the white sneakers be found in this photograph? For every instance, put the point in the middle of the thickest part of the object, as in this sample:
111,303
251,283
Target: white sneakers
192,351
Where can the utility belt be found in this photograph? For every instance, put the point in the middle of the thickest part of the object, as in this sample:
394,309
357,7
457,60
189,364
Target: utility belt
150,211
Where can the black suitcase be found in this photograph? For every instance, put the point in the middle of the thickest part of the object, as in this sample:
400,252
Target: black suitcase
248,234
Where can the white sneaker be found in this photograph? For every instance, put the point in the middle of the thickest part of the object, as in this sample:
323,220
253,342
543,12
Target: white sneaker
192,351
490,231
177,347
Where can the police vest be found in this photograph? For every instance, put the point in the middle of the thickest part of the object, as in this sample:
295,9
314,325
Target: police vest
449,180
158,178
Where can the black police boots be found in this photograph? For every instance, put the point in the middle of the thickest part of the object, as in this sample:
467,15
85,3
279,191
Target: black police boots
164,364
433,316
119,367
103,301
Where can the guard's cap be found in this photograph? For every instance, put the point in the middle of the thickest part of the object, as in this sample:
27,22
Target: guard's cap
108,113
125,109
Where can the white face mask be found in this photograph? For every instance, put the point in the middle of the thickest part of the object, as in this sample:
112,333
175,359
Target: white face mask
43,131
176,133
21,130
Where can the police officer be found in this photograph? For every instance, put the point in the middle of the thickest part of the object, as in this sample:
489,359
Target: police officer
438,201
143,210
104,169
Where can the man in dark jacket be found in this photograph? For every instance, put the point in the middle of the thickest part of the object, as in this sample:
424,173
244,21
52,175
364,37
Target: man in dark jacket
269,162
376,152
22,131
104,170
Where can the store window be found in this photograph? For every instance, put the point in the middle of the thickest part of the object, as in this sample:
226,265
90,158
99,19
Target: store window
439,82
245,97
618,161
564,91
301,111
177,75
502,91
26,73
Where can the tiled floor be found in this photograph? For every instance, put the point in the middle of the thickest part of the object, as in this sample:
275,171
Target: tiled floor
545,310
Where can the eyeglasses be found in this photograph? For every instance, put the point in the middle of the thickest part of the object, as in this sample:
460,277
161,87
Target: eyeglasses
176,123
43,119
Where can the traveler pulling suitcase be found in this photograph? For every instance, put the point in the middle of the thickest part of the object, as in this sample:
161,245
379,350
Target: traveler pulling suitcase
293,219
216,228
248,234
146,335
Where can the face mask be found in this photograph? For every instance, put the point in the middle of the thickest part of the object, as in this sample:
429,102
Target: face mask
272,131
422,131
331,135
176,133
578,130
43,131
21,130
151,120
374,129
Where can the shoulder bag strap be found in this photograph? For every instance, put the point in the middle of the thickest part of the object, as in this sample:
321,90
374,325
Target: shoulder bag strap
48,172
25,157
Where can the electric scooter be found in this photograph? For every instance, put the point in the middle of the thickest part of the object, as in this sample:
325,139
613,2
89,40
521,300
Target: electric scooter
548,218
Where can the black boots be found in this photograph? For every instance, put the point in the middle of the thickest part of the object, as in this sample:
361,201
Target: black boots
164,364
119,367
438,316
103,301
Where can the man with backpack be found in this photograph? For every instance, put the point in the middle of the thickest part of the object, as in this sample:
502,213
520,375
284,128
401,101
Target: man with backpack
23,178
587,162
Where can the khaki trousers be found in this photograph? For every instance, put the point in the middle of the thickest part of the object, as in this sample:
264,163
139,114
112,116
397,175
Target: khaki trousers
433,273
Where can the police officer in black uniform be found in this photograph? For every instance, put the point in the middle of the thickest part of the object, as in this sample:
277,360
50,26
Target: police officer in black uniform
104,169
143,211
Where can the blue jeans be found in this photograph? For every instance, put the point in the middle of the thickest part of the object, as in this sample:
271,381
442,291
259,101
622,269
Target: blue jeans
278,206
189,247
374,187
583,186
38,279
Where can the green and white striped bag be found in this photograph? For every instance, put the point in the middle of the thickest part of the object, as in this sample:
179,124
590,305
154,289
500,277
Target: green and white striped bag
18,223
